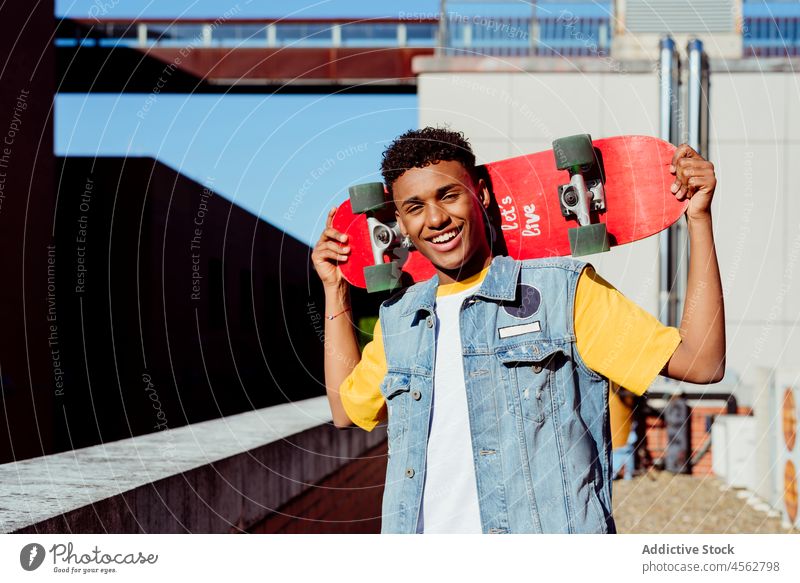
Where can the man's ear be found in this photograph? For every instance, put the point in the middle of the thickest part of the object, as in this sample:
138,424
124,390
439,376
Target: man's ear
400,222
483,193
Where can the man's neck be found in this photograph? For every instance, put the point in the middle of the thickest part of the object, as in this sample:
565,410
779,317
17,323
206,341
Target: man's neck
475,265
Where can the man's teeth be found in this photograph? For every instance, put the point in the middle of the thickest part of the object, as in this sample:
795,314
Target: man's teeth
445,237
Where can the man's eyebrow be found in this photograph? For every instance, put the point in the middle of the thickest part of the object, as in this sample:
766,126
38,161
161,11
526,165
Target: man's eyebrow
411,200
443,189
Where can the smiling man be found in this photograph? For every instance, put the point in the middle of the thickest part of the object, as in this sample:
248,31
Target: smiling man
493,375
440,208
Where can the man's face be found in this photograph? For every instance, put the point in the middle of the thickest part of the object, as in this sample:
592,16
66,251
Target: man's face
441,209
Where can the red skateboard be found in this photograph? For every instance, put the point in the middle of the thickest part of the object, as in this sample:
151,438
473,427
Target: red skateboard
579,198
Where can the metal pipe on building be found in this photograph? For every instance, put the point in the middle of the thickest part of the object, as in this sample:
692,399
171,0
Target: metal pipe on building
669,82
697,138
441,49
674,241
698,97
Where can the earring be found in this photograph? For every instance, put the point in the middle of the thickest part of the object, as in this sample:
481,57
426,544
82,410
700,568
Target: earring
406,242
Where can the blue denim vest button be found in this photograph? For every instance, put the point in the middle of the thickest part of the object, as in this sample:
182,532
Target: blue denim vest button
429,320
409,472
416,395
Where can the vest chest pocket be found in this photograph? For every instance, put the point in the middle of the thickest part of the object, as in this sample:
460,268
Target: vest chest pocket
396,389
531,387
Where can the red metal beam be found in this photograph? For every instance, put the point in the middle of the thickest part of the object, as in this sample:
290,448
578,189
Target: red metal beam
255,65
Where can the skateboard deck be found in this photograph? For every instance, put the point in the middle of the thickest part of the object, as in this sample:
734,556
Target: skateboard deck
527,213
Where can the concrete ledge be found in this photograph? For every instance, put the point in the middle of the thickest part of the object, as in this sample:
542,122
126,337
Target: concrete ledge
599,64
463,64
218,476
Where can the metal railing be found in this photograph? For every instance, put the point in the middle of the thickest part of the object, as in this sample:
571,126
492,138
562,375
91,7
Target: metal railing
771,29
555,34
240,33
771,36
768,29
518,36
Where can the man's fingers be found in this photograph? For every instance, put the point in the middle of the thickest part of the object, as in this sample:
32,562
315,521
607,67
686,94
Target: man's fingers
686,169
682,175
330,250
682,151
693,173
336,248
329,220
692,182
330,256
335,235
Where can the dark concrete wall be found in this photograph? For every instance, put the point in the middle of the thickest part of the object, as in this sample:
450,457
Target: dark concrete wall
27,87
348,501
119,313
245,492
174,305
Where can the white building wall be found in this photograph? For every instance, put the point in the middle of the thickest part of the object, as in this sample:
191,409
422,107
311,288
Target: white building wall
754,143
511,114
755,131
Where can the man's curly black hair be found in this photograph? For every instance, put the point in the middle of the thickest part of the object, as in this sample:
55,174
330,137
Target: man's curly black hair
419,148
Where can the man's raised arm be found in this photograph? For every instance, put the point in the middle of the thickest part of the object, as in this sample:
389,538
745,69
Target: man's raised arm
341,346
700,357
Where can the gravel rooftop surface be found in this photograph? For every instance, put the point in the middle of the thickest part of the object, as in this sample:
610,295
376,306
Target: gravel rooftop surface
661,502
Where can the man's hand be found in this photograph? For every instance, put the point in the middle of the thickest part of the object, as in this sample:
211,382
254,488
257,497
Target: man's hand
694,179
329,252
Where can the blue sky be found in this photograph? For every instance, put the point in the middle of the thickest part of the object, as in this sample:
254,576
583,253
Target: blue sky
306,8
248,8
286,158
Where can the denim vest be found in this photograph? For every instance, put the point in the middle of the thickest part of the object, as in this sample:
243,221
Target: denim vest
538,416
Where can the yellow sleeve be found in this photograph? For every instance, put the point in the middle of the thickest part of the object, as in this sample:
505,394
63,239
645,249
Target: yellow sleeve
618,339
360,391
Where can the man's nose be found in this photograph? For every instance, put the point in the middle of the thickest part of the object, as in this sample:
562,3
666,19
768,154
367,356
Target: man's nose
435,215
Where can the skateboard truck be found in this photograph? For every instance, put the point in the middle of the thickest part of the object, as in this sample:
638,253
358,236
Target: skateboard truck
370,199
583,195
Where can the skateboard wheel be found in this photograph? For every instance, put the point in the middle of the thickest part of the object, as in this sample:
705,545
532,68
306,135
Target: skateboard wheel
383,277
369,196
573,151
588,239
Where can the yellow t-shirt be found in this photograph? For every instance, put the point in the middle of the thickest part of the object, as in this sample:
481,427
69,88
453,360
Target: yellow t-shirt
620,415
614,337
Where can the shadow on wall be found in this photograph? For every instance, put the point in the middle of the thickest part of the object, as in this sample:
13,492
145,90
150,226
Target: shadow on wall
167,304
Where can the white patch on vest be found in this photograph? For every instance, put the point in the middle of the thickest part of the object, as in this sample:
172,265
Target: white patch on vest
520,329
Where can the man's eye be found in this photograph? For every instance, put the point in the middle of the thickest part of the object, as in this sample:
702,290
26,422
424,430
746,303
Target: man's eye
413,209
450,195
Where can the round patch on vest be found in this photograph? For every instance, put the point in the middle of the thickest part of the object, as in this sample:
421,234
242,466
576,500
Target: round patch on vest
530,299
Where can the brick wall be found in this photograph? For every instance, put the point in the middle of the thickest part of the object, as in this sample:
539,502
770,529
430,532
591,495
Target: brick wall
347,501
657,435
